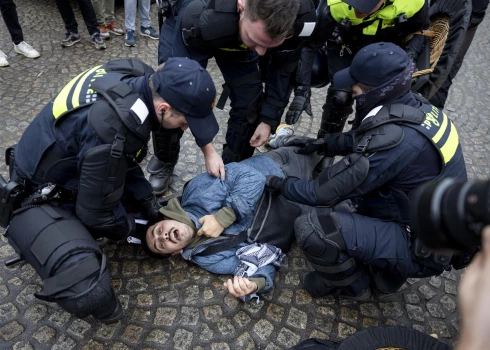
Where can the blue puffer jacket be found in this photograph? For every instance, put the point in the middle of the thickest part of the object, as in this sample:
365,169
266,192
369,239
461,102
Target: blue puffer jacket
241,191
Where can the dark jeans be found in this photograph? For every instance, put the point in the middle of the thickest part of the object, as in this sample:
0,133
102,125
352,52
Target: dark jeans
9,14
68,16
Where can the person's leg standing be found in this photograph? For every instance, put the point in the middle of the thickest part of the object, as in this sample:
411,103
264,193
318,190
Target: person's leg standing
129,21
72,36
110,19
11,19
245,101
90,19
99,8
146,28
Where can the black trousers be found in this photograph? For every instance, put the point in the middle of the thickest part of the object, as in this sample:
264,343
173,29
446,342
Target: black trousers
9,14
68,16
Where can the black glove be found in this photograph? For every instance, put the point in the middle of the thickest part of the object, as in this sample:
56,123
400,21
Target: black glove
313,145
273,184
151,208
300,103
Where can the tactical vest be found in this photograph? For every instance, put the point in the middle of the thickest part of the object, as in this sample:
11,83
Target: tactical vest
383,132
215,24
114,110
382,20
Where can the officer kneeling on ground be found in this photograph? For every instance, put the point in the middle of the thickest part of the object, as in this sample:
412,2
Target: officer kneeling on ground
86,144
401,143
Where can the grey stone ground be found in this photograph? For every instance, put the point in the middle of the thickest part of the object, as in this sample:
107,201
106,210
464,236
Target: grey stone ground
170,304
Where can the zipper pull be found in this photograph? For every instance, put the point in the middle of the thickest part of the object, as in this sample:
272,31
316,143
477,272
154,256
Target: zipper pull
342,50
348,50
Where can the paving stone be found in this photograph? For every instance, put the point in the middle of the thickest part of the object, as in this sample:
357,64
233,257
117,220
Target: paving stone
137,285
78,328
106,331
171,296
297,318
327,311
348,315
189,316
207,333
345,331
285,296
448,304
276,312
212,312
8,311
35,313
242,319
93,345
63,343
220,346
22,345
27,294
439,328
140,315
287,338
253,307
144,300
426,292
263,329
450,287
319,335
44,334
419,328
323,324
369,322
415,313
165,316
225,327
132,334
411,298
182,339
245,341
435,310
302,297
369,310
435,281
4,291
392,309
60,317
231,301
11,330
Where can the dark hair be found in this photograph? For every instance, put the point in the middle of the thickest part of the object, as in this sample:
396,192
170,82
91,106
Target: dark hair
277,15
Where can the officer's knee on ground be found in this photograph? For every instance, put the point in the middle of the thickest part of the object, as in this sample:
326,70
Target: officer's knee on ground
68,260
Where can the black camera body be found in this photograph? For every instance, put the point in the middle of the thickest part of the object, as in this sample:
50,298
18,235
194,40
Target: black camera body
450,214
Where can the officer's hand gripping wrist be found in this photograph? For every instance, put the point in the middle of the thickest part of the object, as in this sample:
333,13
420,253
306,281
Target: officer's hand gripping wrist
313,145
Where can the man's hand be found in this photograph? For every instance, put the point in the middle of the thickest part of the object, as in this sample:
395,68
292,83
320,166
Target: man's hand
210,227
474,302
260,135
274,184
312,145
240,286
213,161
300,103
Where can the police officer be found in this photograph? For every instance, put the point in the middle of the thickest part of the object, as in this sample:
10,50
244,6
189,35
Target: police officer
235,32
401,143
348,26
79,158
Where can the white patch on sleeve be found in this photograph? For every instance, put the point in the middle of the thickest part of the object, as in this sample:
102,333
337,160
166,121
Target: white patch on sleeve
308,28
140,109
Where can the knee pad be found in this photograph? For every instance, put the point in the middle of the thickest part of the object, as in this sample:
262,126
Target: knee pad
321,241
166,145
67,258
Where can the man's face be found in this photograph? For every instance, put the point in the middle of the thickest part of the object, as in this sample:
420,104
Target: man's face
168,119
254,37
356,90
360,14
169,236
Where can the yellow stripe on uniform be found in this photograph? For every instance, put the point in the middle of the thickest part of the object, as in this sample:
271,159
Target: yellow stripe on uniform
451,144
442,129
59,104
75,100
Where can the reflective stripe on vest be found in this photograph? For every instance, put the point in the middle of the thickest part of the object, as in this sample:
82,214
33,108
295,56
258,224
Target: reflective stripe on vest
340,10
442,132
77,92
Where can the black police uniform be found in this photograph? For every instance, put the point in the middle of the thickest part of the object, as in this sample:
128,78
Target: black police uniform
86,141
202,29
392,152
344,41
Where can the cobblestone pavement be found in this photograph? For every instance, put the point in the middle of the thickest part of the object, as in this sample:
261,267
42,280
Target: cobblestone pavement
170,304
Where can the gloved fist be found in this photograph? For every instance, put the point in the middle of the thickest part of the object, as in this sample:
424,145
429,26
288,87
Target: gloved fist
273,184
300,103
151,208
313,145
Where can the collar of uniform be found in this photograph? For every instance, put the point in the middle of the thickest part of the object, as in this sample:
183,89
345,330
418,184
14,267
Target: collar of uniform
373,112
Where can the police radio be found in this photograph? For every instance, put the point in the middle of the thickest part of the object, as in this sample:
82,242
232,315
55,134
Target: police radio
11,193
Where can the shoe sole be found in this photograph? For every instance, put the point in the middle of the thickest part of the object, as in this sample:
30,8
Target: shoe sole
100,47
128,45
21,53
71,43
363,297
149,36
116,33
4,64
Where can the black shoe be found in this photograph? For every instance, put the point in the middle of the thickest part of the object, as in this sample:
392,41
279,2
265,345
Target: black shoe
160,182
115,316
316,286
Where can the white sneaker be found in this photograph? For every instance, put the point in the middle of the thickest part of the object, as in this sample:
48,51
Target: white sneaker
282,130
3,59
25,49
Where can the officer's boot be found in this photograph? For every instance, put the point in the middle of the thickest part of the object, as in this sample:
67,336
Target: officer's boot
336,110
166,147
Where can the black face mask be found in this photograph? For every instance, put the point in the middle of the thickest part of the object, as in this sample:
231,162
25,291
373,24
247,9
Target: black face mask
392,90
